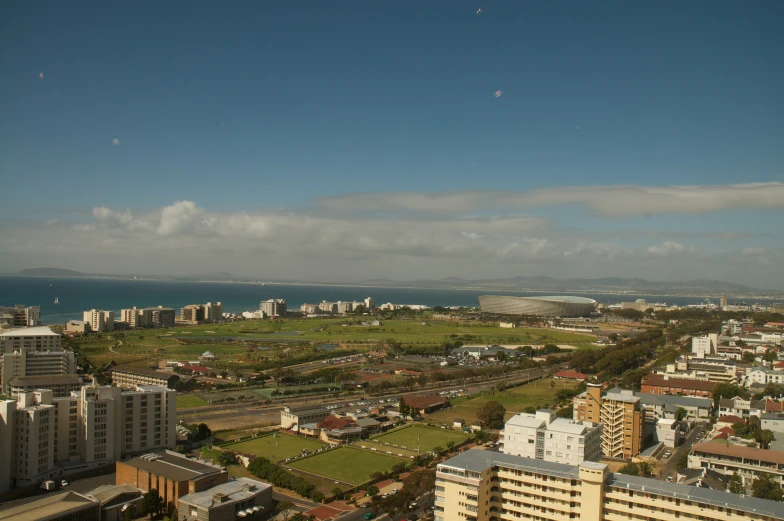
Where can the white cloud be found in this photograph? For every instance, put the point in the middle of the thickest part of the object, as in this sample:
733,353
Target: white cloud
603,201
666,248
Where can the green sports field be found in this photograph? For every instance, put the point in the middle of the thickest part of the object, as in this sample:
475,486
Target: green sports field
185,401
276,449
347,464
429,437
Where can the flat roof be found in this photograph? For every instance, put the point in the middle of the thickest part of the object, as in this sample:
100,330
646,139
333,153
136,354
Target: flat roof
49,378
480,460
144,372
174,468
739,451
29,331
51,506
698,494
233,489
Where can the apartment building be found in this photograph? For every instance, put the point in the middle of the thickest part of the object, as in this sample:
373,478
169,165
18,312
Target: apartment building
27,362
663,384
489,486
345,308
763,376
545,437
20,316
273,307
148,317
702,346
46,437
99,320
620,415
131,377
748,462
328,307
39,338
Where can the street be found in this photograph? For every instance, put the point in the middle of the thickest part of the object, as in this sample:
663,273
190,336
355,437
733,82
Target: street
694,435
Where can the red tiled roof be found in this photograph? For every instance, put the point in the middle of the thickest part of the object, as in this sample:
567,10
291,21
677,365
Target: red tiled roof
729,431
196,368
332,422
682,383
773,405
570,374
721,436
731,418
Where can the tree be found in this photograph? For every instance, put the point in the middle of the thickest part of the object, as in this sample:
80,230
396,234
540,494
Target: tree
438,449
630,469
748,357
129,514
683,461
151,502
735,484
450,445
681,414
765,487
725,390
372,491
227,458
285,508
491,414
336,491
764,437
646,470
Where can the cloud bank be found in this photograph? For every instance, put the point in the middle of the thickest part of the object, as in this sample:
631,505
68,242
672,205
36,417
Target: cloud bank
479,234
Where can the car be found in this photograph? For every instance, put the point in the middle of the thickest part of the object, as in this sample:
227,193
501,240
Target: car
63,483
369,515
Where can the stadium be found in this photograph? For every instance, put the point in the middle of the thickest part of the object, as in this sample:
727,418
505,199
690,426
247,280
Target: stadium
562,306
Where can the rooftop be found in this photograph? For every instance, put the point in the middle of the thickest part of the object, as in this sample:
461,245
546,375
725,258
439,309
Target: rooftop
29,331
51,506
240,489
174,468
50,378
665,399
144,372
108,493
697,494
738,451
480,460
621,397
683,383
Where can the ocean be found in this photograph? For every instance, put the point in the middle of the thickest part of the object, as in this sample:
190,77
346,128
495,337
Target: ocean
78,295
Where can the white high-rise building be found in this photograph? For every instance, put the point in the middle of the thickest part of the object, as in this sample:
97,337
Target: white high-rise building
273,307
99,320
44,437
345,307
545,437
20,316
39,338
702,346
370,304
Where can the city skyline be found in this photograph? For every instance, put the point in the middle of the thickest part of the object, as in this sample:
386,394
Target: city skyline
354,142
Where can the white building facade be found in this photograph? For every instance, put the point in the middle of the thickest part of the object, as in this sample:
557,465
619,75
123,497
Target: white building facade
702,346
545,437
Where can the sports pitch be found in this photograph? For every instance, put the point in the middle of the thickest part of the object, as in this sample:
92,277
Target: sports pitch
347,464
429,437
276,448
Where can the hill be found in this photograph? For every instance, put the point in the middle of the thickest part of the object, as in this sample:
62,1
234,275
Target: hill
52,272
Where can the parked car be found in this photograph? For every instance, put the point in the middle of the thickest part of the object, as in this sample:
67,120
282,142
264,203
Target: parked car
63,483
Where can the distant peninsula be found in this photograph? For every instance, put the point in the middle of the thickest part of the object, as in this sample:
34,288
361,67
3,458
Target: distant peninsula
52,272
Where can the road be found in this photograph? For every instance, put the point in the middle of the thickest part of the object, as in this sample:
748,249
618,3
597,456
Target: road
271,412
694,435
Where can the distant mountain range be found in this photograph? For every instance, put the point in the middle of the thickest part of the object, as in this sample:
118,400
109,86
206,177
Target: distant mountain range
521,283
605,285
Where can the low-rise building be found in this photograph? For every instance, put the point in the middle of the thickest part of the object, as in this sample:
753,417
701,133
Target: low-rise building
773,421
668,432
114,500
242,498
77,327
490,486
424,403
59,506
748,462
131,377
172,474
657,406
545,437
292,416
61,385
663,384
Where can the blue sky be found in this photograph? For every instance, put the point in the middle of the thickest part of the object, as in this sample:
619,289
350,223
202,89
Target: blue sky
272,123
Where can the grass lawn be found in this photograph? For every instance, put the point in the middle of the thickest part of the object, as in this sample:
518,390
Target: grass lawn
276,449
189,400
347,464
515,400
429,437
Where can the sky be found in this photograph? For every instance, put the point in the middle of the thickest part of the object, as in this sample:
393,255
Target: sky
346,141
